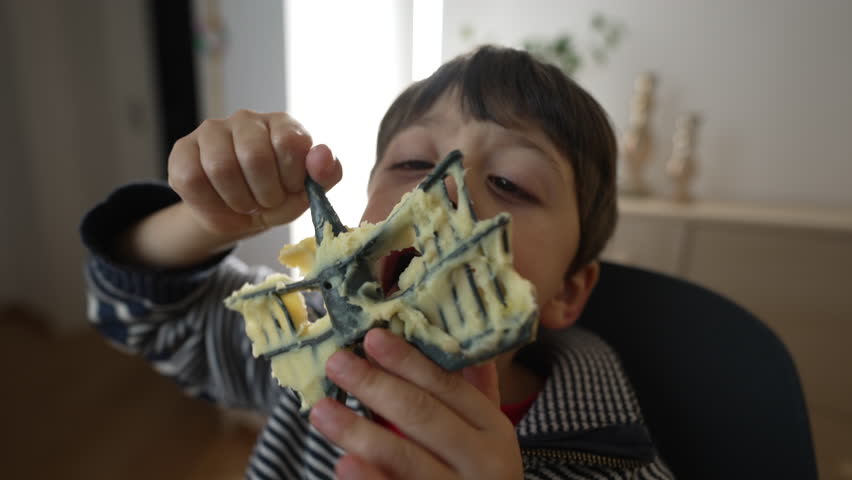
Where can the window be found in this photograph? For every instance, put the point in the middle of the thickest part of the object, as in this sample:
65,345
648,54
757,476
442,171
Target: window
345,63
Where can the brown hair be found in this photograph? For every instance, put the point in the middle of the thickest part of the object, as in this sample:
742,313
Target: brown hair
509,86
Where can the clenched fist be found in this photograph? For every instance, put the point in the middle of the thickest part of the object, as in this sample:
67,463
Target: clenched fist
246,173
236,177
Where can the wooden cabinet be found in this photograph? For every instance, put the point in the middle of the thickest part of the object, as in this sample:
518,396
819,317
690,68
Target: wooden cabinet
792,267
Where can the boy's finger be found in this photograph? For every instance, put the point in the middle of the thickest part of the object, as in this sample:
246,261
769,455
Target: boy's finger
258,160
323,166
219,162
295,205
373,443
484,378
352,467
187,177
416,412
400,358
291,143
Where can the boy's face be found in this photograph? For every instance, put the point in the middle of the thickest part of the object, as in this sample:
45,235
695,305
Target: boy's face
513,170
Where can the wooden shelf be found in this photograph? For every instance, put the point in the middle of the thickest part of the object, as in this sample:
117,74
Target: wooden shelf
838,219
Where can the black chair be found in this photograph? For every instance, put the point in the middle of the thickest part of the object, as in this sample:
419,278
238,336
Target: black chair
719,391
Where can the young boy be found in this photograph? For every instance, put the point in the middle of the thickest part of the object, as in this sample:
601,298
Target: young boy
535,144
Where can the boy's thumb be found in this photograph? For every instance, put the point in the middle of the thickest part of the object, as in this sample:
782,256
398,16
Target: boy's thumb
484,378
323,166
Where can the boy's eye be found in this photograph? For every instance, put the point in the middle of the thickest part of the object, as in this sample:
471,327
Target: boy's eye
506,186
413,165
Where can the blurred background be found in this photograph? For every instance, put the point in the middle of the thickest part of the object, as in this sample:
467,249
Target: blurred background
94,92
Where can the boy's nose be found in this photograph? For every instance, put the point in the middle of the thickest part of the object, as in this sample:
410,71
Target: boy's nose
452,190
464,203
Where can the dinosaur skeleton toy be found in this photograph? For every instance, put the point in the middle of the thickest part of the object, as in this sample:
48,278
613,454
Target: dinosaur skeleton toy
430,272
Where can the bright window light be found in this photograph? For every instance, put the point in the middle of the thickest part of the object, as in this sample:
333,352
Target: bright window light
345,63
427,22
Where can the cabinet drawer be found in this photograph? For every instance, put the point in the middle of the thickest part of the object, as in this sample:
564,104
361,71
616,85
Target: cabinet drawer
775,270
798,282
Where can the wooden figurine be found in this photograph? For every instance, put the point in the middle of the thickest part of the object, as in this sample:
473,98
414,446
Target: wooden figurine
637,143
681,167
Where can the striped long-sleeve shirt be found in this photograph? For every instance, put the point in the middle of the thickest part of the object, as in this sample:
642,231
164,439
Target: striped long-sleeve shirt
585,423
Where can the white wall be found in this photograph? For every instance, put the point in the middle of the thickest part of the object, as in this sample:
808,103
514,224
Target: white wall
78,96
771,79
15,223
72,139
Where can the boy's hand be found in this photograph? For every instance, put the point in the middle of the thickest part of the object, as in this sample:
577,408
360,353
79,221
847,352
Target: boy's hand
452,421
246,173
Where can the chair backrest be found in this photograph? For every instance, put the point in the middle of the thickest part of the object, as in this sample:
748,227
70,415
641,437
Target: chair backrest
719,391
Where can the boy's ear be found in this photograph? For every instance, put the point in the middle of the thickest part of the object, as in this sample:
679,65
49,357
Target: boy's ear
565,308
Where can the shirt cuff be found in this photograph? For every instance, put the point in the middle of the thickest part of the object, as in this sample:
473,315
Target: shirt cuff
102,226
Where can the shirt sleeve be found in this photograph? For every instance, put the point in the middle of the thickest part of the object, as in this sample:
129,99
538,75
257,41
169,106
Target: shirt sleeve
174,318
656,470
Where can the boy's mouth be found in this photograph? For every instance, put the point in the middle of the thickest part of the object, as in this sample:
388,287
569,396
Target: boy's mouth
391,267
